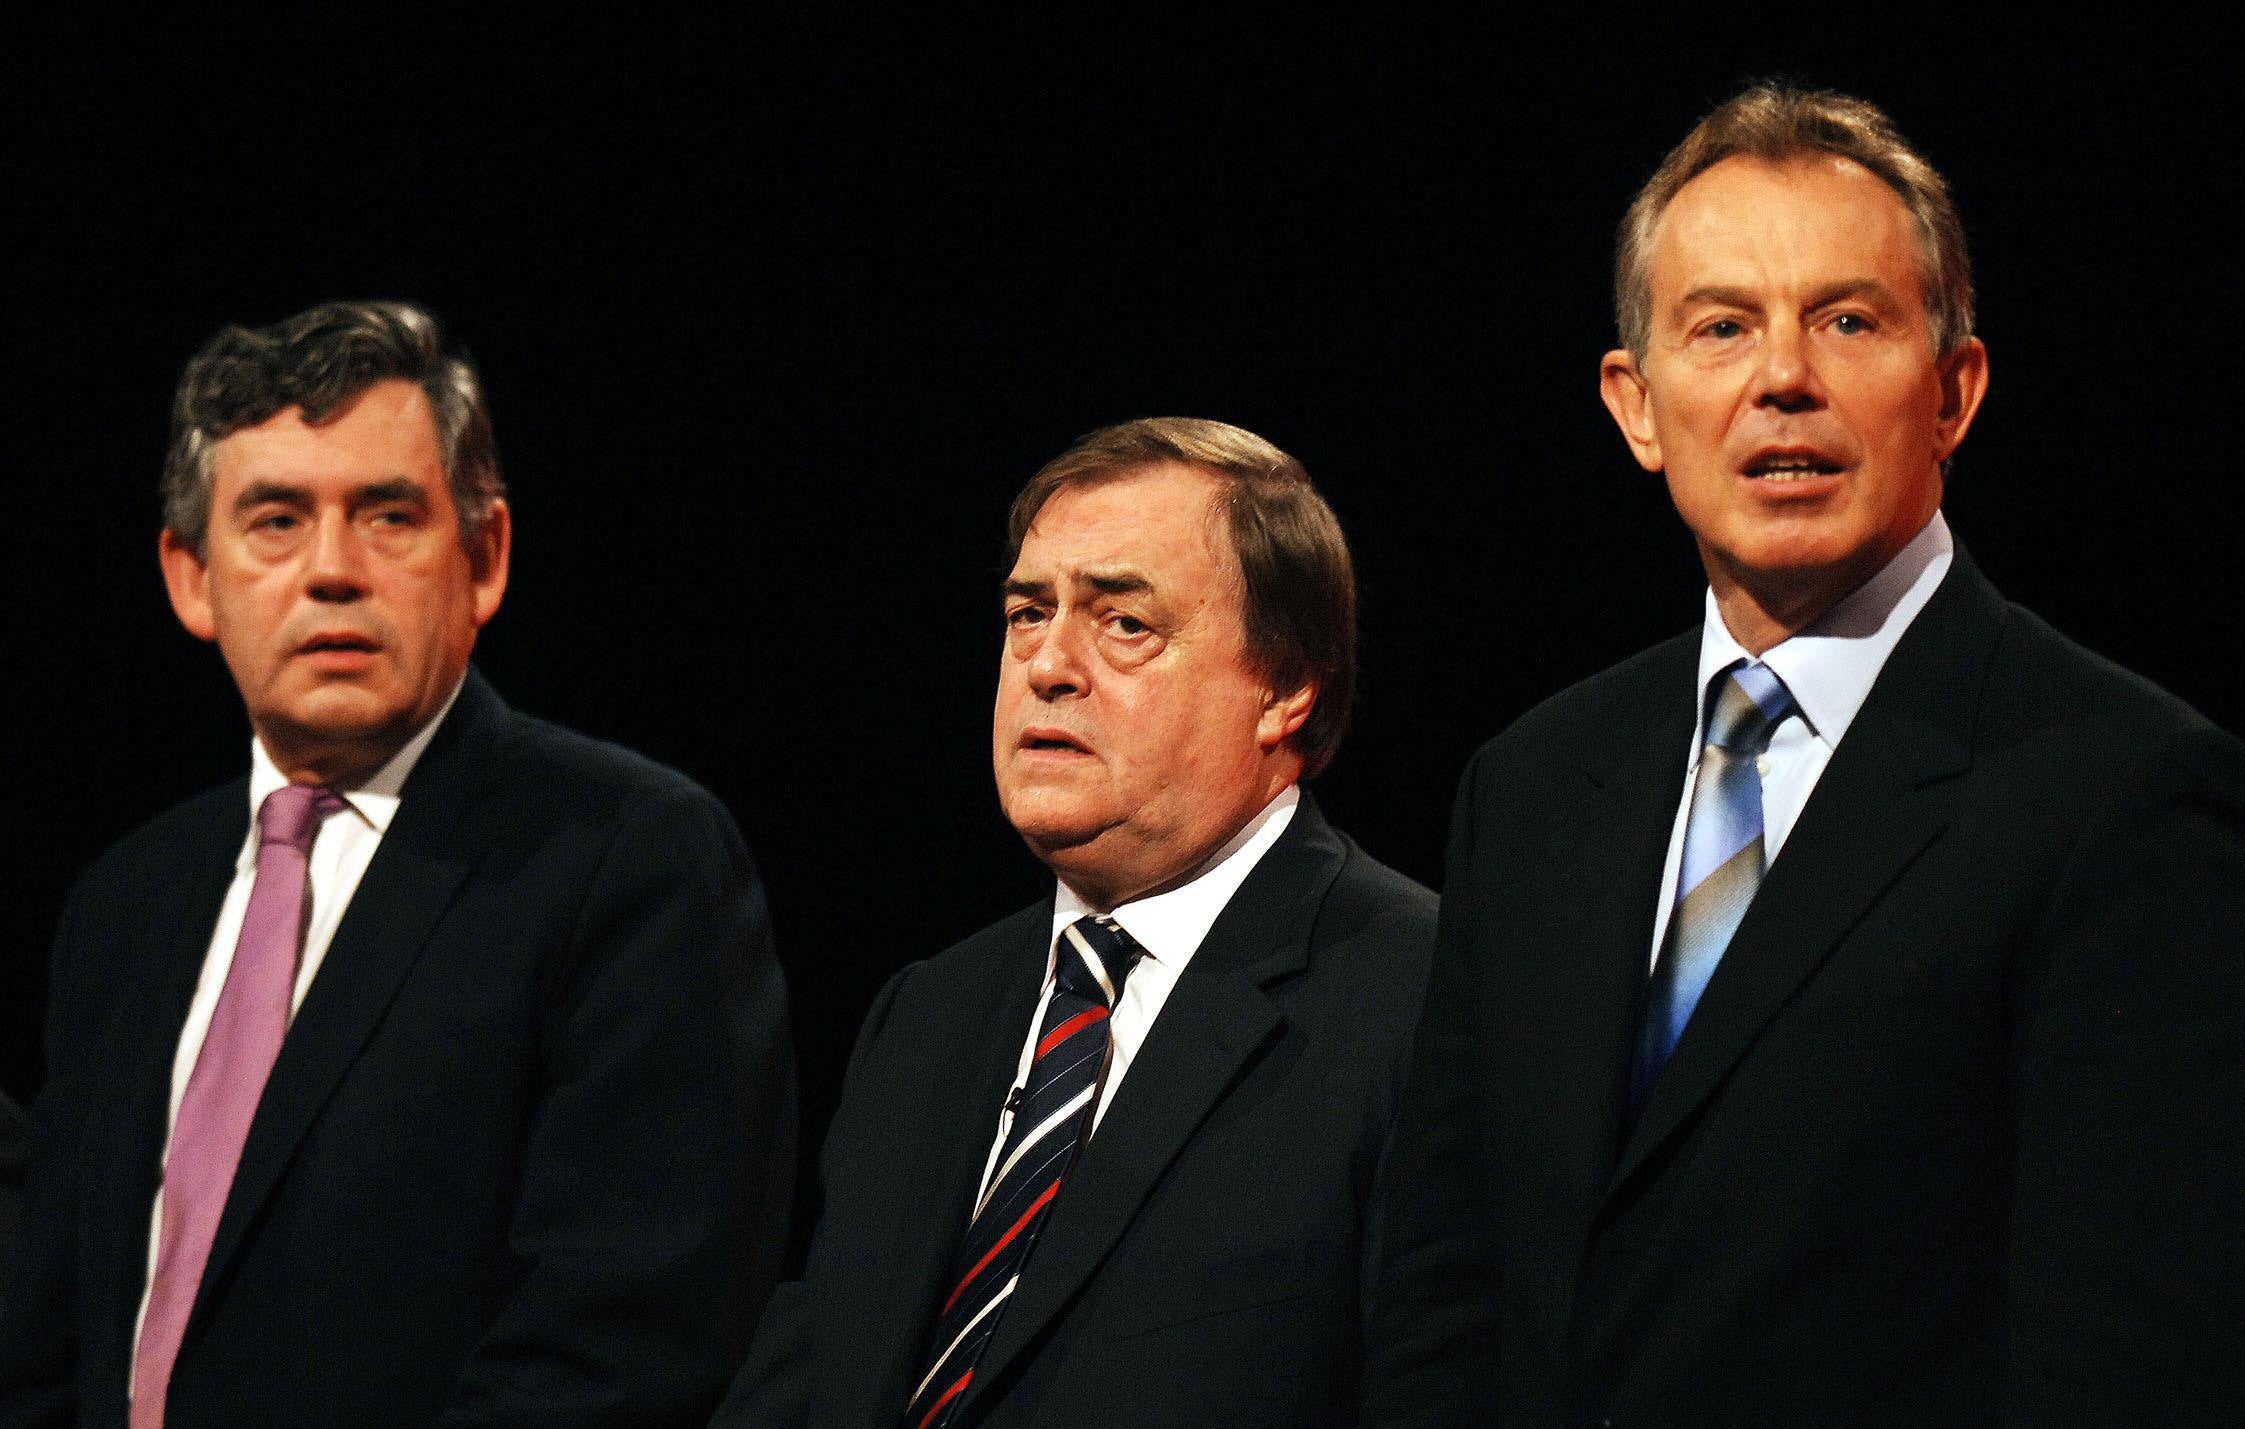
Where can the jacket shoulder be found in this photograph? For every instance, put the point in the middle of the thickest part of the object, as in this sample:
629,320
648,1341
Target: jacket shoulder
186,835
2041,679
1615,695
539,751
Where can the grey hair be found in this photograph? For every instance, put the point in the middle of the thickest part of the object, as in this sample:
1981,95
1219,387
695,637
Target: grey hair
1775,123
319,360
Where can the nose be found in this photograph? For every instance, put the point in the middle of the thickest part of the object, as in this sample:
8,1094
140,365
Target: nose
1786,379
1056,666
335,562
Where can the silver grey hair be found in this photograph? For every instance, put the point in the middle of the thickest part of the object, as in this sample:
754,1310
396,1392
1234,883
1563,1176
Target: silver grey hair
319,360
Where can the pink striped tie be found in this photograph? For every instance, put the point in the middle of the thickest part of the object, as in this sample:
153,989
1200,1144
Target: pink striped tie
229,1076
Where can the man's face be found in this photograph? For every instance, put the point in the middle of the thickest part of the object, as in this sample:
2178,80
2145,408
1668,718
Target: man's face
1132,738
334,581
1789,389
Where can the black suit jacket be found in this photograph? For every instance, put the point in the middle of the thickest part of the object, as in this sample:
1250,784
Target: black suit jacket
1203,1262
525,1154
1953,1136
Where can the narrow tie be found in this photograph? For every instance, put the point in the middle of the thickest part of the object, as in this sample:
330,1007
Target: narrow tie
1052,1119
222,1092
1722,864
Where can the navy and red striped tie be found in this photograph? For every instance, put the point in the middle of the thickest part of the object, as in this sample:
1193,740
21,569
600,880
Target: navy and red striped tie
1051,1120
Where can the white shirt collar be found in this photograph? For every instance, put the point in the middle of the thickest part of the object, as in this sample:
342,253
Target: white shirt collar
1171,925
375,801
1830,666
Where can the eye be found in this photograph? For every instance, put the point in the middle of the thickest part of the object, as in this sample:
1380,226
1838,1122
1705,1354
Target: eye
1724,329
1022,616
1851,324
1128,625
274,521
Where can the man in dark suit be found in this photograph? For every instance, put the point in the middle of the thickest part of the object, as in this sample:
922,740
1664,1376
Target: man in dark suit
436,1072
1221,986
1838,1010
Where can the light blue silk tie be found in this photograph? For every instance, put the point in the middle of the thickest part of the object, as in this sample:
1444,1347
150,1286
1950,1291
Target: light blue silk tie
1722,863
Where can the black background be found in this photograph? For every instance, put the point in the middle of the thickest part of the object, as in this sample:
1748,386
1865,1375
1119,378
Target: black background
775,318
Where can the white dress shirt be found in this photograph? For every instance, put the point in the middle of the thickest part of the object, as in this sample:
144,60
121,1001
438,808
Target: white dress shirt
1829,668
1170,926
341,851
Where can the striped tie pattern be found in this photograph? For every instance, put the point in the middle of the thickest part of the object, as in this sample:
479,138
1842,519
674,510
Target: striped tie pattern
1052,1119
1722,863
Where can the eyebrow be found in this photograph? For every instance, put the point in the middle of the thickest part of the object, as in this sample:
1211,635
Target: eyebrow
1729,297
396,488
1122,582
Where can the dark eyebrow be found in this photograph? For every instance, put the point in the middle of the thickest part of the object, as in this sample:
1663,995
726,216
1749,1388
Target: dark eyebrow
259,493
1105,582
1118,583
396,488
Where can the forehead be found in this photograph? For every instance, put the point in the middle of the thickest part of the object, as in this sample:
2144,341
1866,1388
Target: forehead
386,432
1815,219
1157,521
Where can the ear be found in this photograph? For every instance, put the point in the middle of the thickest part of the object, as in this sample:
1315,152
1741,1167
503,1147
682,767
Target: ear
1964,381
187,581
1282,715
1622,386
487,563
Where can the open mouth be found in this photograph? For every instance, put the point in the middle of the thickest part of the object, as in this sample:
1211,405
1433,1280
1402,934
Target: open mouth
1052,741
1791,466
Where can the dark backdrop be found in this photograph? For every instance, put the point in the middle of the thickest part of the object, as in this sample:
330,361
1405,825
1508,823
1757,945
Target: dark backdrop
775,321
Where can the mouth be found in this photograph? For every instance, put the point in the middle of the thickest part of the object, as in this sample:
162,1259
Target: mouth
1783,464
339,643
1043,740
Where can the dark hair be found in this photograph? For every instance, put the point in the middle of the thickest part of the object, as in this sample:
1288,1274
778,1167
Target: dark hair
1299,597
320,360
1774,123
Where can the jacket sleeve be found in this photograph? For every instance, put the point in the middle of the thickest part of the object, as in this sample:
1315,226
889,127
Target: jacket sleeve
39,1273
2126,1293
1433,1347
776,1387
658,1171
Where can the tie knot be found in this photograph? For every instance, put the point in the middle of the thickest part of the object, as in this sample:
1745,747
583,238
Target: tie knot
1094,958
1750,702
291,814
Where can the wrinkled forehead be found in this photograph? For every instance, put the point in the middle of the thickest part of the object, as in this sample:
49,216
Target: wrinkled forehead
1817,216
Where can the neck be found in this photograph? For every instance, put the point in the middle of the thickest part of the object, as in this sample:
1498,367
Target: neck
1762,609
1104,886
337,766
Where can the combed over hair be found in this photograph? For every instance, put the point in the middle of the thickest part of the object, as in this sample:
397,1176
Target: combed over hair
1299,596
1775,123
320,360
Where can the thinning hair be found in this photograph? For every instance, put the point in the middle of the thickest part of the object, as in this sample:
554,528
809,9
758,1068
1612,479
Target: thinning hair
1777,123
320,360
1298,598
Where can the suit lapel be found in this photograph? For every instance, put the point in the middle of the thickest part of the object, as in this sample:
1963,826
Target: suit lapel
181,915
1216,1019
1874,810
1582,1009
945,1122
426,853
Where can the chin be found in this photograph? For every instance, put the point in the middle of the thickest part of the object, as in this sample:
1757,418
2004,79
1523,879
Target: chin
1052,826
